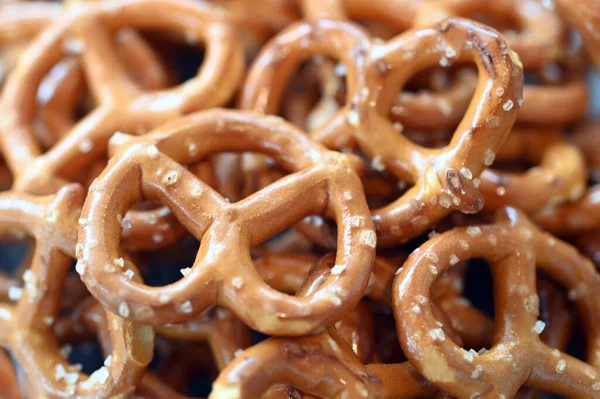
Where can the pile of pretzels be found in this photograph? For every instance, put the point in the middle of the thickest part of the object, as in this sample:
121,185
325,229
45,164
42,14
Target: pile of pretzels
292,199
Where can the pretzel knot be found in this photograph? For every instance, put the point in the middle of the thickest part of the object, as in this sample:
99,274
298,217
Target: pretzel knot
322,182
121,104
442,178
27,327
514,248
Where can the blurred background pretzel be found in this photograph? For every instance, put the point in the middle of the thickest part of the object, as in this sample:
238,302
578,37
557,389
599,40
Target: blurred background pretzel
121,105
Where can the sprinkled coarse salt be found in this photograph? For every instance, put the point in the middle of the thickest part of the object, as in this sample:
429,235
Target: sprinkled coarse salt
129,273
237,282
432,256
186,307
469,357
489,157
108,361
353,118
185,271
66,350
466,173
454,259
437,334
124,309
477,372
539,327
377,164
86,146
99,377
338,269
473,231
450,52
59,372
15,293
171,178
508,105
71,378
156,237
561,366
357,221
369,238
80,267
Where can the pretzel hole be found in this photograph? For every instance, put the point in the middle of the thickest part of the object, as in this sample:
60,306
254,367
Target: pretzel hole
168,265
180,55
188,368
387,346
432,102
315,92
14,258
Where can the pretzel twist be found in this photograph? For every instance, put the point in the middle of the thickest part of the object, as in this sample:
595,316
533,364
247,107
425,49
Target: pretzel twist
561,174
323,182
513,246
26,327
374,72
121,104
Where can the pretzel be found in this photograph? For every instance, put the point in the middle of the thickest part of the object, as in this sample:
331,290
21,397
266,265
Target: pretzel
323,182
573,217
26,326
224,333
584,15
587,138
121,105
542,41
322,365
514,247
561,175
439,189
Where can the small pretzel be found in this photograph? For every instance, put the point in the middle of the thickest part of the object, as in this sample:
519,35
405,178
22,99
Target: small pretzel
561,175
322,365
121,104
26,327
513,246
323,182
441,177
585,16
573,217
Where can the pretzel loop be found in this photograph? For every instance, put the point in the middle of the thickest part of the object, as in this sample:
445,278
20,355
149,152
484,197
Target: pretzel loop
223,267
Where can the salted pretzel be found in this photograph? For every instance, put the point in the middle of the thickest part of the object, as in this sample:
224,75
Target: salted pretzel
541,42
514,248
322,182
572,218
27,326
560,175
585,16
323,365
224,333
375,71
121,105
